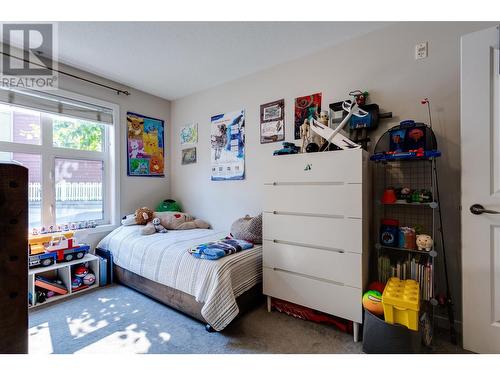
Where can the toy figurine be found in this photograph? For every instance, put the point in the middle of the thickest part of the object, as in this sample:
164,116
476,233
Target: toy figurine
51,229
73,226
34,232
43,230
424,242
65,228
304,134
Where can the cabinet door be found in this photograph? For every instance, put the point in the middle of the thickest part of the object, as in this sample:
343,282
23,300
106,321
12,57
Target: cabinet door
13,259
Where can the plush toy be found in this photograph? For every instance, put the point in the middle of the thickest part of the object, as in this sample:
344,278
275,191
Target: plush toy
156,225
176,221
141,216
372,301
424,242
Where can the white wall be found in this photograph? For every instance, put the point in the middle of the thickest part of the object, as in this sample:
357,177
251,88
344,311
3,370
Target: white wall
135,191
382,63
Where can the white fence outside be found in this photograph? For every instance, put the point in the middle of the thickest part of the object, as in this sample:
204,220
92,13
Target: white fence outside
68,191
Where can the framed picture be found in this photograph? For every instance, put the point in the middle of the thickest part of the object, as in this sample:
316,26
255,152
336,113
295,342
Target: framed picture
227,157
145,146
306,108
272,121
188,156
189,134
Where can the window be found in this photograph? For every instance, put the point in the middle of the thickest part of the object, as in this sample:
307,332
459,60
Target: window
71,164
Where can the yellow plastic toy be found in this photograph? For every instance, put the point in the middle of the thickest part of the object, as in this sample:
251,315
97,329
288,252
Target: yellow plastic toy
401,302
37,243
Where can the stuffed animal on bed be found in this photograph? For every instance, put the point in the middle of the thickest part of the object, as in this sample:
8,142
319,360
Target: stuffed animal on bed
141,216
176,221
156,225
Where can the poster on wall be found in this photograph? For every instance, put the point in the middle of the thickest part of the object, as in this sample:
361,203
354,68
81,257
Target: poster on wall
306,107
227,155
272,121
189,156
145,147
189,134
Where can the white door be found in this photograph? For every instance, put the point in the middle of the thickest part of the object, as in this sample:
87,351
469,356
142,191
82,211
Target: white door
480,143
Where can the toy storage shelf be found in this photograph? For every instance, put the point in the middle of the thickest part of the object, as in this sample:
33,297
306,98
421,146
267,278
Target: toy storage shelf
63,272
416,174
431,253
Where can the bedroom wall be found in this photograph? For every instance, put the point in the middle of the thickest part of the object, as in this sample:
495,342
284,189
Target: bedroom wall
134,191
381,62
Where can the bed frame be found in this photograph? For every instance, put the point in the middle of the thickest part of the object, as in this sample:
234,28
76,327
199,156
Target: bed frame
179,300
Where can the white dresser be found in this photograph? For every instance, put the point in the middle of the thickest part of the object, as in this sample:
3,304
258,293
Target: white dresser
316,231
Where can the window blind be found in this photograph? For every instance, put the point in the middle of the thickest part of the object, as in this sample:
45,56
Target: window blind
52,103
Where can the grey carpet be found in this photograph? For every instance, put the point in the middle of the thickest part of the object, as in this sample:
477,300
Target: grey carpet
116,319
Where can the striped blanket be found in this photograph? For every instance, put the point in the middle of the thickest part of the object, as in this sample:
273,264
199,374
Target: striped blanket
163,258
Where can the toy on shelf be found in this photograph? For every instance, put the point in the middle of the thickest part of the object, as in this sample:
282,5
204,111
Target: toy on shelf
372,301
53,285
46,250
288,148
359,126
389,232
401,302
389,196
406,141
424,242
82,278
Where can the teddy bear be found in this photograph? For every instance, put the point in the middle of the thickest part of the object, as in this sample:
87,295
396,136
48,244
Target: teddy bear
424,242
175,221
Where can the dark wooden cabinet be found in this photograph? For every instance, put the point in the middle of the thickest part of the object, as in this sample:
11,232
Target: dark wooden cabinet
13,258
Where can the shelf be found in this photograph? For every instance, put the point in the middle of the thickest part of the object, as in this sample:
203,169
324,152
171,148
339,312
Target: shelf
431,253
86,258
432,205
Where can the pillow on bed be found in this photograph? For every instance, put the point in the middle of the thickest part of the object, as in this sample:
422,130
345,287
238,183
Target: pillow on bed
248,228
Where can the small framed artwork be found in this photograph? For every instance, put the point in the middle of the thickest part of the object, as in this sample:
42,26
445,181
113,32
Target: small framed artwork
188,156
189,134
272,121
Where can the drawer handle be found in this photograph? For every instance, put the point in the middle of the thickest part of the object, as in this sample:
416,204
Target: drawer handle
310,246
307,183
308,276
289,213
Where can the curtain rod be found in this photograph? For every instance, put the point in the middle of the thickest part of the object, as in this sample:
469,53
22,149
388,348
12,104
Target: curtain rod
118,91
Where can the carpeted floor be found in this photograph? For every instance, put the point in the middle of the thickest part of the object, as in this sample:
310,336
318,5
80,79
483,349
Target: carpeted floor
117,319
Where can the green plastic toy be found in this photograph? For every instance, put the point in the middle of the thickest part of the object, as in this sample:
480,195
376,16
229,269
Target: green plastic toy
169,205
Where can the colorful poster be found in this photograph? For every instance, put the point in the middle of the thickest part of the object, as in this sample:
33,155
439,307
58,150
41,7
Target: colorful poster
145,146
189,155
228,146
306,107
189,134
272,121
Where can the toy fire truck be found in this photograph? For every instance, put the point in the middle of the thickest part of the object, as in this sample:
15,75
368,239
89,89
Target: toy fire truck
45,250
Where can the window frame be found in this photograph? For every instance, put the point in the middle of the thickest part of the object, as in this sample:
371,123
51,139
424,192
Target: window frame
48,152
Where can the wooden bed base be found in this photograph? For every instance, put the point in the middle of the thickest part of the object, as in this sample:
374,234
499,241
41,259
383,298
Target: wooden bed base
179,300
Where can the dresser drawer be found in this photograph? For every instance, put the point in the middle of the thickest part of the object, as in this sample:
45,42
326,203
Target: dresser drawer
315,198
323,263
341,166
335,299
331,232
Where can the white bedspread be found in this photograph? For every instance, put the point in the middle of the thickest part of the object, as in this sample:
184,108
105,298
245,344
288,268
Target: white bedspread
163,257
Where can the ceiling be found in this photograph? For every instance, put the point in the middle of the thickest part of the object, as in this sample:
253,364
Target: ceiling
174,59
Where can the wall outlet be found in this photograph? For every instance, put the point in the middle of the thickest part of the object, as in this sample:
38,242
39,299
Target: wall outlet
421,51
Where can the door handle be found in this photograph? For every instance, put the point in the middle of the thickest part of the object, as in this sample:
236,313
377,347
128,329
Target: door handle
477,209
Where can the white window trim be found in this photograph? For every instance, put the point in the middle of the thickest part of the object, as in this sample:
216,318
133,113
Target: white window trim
111,190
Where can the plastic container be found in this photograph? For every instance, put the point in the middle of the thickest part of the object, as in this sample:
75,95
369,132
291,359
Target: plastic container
401,302
380,337
389,232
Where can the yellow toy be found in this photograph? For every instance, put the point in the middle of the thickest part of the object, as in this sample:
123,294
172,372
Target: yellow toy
37,243
401,302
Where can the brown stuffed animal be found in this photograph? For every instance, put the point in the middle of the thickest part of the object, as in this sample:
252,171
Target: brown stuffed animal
175,221
143,215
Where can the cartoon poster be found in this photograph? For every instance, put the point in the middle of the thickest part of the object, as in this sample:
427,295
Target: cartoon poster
306,108
227,155
272,122
189,134
145,146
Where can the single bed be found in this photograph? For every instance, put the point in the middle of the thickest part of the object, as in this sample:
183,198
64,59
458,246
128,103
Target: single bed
160,266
